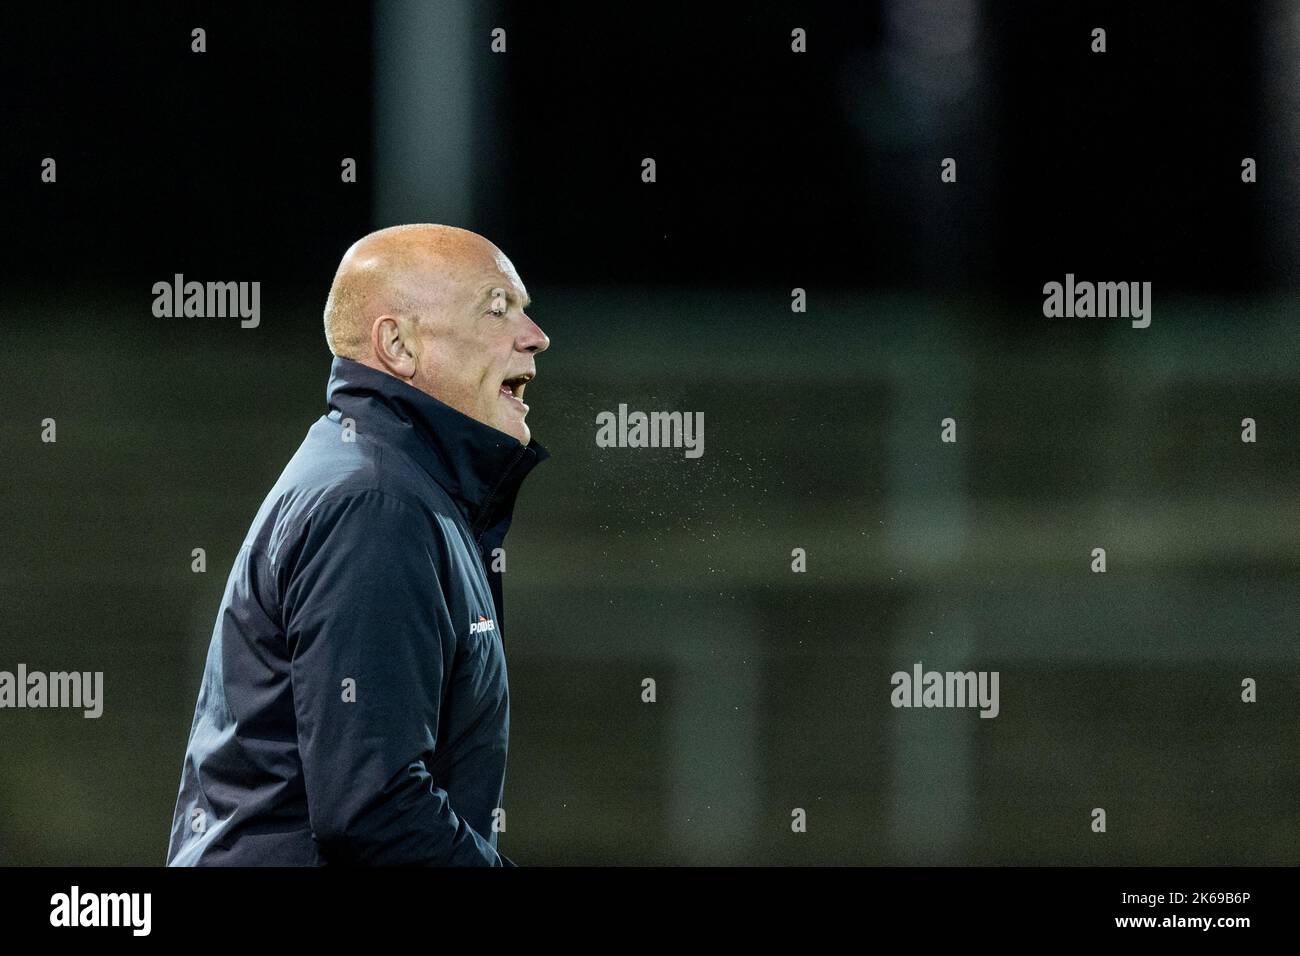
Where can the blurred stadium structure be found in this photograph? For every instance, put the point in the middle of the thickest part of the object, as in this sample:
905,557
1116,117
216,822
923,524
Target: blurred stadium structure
1118,690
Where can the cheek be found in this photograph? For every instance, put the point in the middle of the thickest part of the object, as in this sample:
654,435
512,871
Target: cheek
490,392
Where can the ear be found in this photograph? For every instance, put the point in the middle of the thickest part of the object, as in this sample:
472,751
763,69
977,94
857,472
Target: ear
392,340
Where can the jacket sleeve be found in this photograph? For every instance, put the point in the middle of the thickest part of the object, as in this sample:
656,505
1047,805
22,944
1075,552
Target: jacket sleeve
370,640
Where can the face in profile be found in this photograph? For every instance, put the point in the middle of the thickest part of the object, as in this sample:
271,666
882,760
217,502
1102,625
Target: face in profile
478,353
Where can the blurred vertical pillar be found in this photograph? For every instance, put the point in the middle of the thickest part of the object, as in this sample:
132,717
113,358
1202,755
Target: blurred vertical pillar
933,793
716,717
919,96
1279,166
424,98
926,522
926,494
925,98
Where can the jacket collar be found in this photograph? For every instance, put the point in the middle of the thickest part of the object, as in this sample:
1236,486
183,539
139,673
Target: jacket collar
480,467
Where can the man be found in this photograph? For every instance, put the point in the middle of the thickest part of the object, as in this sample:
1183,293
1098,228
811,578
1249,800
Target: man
354,706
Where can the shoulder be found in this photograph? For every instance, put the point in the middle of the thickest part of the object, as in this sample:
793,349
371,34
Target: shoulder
375,513
366,539
329,479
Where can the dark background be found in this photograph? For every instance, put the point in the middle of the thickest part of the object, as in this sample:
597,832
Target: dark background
775,171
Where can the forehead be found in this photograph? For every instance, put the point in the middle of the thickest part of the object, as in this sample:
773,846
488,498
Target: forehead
498,277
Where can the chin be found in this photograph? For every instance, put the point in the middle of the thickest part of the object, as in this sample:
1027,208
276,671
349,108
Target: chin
515,429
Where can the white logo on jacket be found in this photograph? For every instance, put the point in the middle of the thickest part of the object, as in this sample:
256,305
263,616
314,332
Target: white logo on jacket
482,625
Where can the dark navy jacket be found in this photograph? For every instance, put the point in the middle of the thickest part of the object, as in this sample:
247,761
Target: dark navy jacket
354,705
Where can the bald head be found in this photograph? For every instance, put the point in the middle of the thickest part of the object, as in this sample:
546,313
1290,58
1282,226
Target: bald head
441,308
404,271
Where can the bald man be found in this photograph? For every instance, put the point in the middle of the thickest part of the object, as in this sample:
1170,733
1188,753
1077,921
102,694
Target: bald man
354,707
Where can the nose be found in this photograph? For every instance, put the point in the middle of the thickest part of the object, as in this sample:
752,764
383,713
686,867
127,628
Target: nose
533,339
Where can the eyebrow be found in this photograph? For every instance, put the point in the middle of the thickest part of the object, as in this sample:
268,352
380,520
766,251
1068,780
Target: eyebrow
510,296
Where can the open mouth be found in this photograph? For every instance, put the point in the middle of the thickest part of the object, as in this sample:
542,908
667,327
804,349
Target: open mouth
513,388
